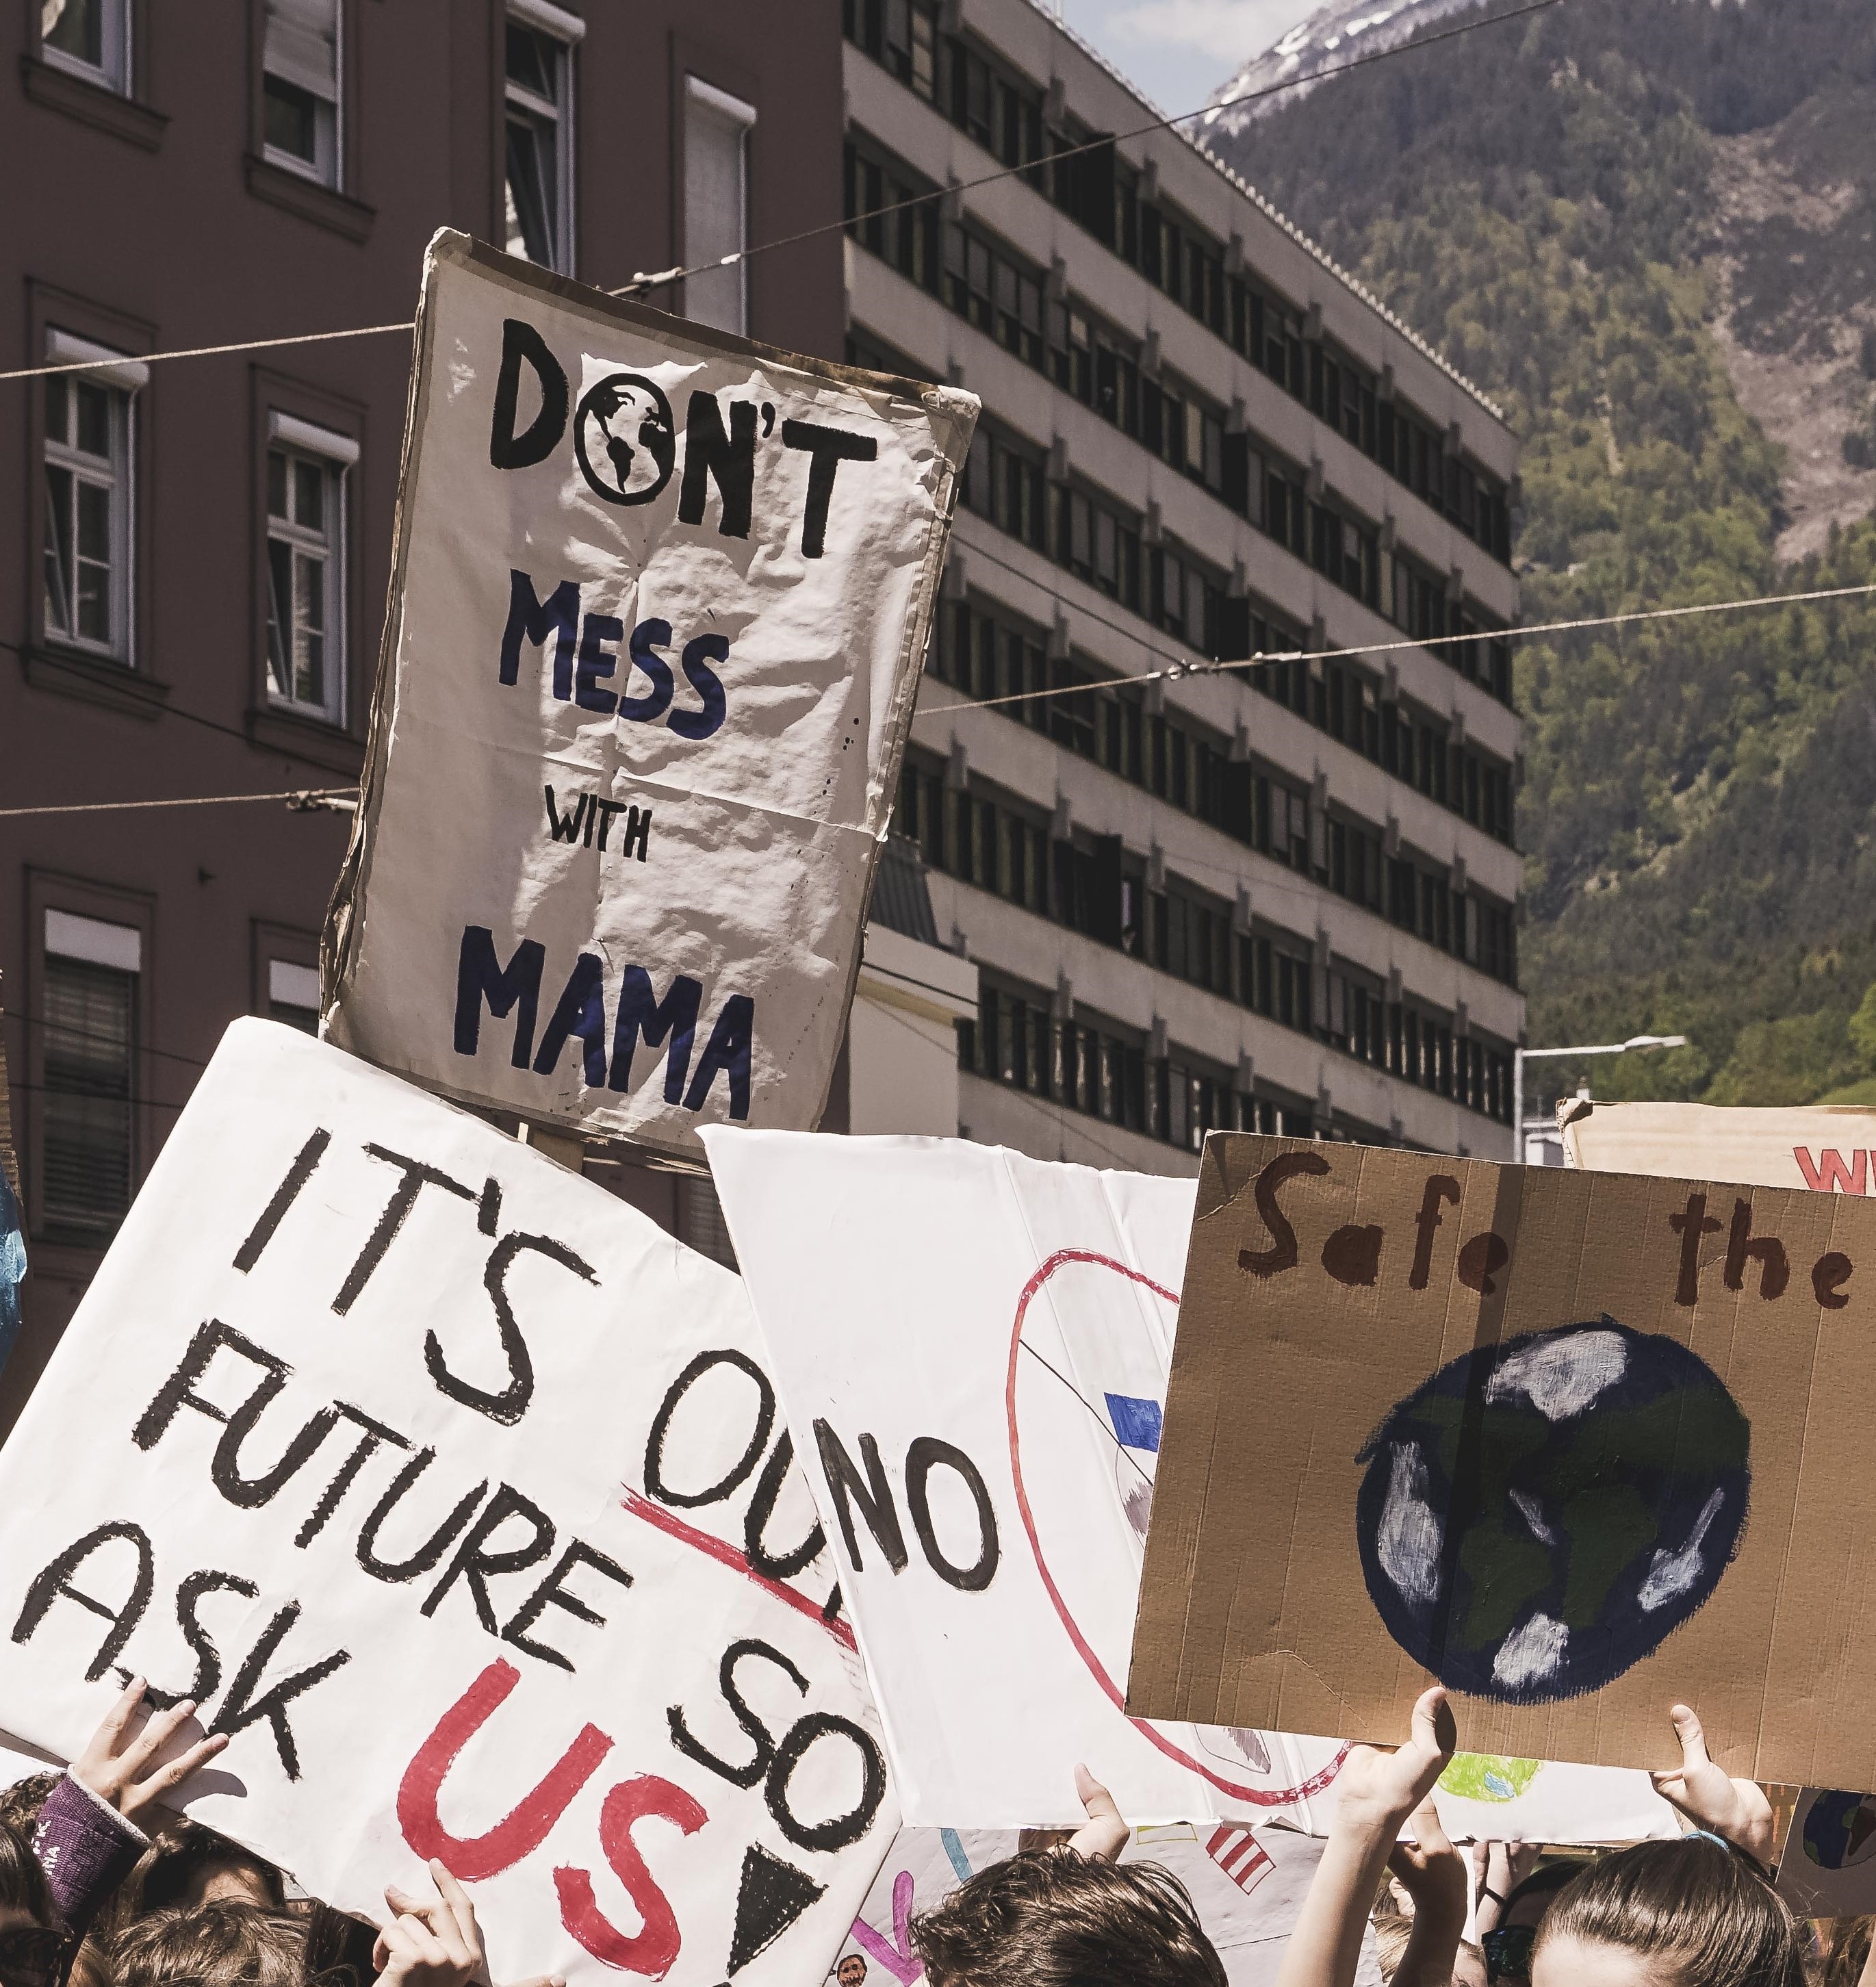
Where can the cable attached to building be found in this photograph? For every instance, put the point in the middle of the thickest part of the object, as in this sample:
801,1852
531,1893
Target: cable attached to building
642,282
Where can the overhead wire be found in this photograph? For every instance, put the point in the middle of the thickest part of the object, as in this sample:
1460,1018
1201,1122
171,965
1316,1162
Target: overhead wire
1177,670
642,281
303,799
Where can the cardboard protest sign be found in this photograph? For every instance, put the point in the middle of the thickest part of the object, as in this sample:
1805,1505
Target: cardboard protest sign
1486,1796
1826,1148
1578,1444
659,599
971,1348
1829,1867
453,1489
1247,1885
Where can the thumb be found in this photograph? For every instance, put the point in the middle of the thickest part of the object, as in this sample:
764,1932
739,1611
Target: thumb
1687,1729
1106,1834
1429,1832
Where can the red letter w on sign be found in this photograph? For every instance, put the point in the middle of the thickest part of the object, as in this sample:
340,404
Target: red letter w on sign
1830,1175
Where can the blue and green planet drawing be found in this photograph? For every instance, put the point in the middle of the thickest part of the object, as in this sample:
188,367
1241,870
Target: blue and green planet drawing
1543,1512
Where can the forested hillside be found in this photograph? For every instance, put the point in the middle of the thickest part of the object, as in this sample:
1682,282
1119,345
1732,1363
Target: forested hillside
1649,231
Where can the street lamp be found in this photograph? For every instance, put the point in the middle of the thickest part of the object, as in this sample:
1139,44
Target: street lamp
1520,1057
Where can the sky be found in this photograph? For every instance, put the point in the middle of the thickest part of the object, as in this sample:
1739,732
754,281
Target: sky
1178,51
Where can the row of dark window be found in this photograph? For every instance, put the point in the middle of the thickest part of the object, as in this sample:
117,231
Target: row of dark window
984,285
1098,1069
1080,172
986,655
1092,884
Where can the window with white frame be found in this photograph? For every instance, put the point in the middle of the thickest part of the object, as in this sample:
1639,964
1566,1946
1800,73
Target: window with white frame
300,111
89,495
716,203
306,467
293,994
87,1151
538,131
90,37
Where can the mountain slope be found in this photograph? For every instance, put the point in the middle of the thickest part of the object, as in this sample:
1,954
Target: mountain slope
1649,232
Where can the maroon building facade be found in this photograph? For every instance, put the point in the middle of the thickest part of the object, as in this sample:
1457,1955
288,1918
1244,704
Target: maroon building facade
194,551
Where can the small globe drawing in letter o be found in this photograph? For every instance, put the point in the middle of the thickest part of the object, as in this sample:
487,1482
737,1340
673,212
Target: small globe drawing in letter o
1544,1512
623,439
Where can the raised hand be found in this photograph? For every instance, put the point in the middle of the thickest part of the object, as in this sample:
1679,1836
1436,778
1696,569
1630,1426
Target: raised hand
432,1942
1432,1873
121,1764
1104,1835
1736,1810
1375,1786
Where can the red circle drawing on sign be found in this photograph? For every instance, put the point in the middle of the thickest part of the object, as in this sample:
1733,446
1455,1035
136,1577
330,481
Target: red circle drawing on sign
1257,1797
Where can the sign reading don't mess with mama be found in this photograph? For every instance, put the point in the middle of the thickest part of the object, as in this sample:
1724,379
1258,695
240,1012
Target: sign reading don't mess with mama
658,602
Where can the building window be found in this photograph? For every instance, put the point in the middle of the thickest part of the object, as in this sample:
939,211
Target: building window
539,136
293,994
91,37
88,496
716,204
300,108
305,566
701,1225
87,1154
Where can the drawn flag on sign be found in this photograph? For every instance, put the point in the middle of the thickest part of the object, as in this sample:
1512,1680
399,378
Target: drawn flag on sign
1239,1853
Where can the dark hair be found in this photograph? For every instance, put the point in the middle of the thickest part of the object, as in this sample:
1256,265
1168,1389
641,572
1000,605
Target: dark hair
22,1882
171,1867
217,1945
21,1802
1544,1879
1052,1918
1690,1905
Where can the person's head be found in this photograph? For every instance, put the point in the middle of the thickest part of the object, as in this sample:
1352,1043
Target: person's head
852,1971
1507,1948
21,1802
193,1865
224,1944
1682,1914
32,1949
1056,1919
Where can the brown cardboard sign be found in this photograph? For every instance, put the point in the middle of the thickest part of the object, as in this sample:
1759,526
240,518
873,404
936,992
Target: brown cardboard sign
1579,1444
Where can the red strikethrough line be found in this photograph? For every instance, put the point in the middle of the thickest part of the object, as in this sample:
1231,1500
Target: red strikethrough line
673,1526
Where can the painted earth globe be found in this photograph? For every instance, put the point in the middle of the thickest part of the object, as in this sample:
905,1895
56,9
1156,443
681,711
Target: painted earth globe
1543,1512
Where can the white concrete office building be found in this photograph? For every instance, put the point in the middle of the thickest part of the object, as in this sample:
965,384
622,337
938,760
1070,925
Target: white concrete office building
1282,898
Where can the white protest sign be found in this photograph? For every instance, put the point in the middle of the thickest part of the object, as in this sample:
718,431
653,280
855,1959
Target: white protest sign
1826,1148
659,600
1247,1886
1829,1867
1483,1797
973,1348
453,1489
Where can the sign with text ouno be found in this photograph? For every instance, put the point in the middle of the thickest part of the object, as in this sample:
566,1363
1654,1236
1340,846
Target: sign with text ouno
454,1491
971,1348
1578,1445
659,600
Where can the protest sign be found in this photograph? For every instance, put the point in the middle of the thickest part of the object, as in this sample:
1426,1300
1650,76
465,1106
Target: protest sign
453,1489
659,599
12,1266
12,1224
1485,1797
1515,1414
1247,1886
1828,1870
971,1348
1826,1148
